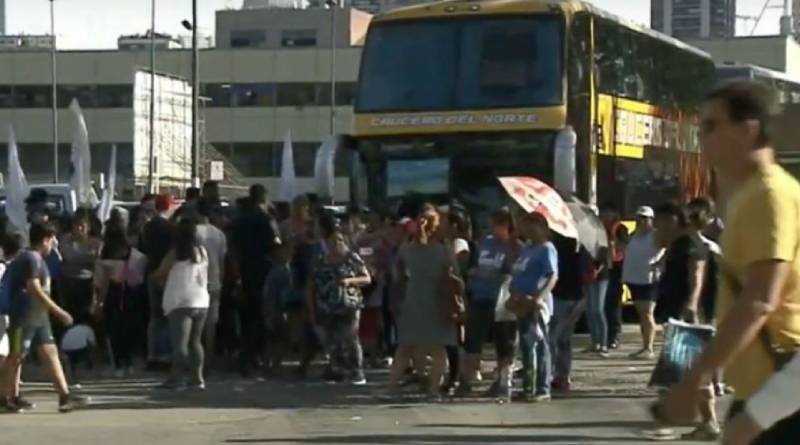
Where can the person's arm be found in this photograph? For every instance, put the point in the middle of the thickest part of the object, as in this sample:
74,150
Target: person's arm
363,279
697,274
34,289
760,296
162,272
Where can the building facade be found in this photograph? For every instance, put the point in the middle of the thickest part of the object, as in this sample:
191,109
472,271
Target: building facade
686,19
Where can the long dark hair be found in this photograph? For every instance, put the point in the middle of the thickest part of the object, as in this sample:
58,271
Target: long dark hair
186,242
115,243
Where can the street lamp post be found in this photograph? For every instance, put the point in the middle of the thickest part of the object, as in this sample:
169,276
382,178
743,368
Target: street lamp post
333,4
151,151
54,82
195,95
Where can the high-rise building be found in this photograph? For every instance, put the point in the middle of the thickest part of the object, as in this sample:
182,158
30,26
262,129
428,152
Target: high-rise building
694,18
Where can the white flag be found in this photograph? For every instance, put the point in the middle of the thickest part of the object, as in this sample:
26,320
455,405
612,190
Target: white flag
16,186
107,203
288,182
81,158
324,169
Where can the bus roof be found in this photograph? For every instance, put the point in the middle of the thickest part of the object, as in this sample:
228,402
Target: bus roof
760,72
451,8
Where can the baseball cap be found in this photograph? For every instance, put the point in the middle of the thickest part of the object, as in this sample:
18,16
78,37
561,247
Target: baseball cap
646,211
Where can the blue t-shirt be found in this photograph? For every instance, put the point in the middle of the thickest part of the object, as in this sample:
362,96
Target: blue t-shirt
534,265
491,270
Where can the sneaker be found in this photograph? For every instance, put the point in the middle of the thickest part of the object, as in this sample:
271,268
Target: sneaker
614,345
661,435
603,353
703,433
23,403
539,398
71,402
358,378
9,406
447,388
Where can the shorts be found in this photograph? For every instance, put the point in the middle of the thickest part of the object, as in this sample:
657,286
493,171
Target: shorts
479,324
213,307
642,292
24,336
369,327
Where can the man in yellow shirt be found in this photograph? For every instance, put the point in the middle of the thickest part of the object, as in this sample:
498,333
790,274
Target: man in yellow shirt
759,297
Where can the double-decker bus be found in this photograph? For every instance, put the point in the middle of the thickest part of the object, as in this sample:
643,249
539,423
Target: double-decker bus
456,93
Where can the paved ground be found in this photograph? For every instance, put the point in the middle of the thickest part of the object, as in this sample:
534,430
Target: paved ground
608,406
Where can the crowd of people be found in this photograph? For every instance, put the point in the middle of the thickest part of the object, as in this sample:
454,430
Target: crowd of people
203,286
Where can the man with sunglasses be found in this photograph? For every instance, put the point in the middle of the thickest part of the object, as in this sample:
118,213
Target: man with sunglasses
758,309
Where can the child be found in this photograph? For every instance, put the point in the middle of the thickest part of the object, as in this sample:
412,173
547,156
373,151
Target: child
78,343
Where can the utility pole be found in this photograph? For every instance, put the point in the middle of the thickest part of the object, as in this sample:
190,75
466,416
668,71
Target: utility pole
195,99
54,83
151,152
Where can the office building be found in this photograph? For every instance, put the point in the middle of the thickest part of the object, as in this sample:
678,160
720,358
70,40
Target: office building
779,53
686,19
255,94
2,17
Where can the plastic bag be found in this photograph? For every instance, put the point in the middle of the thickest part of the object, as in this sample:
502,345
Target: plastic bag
500,311
683,344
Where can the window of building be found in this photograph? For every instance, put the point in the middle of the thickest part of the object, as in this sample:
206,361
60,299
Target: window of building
114,96
85,95
32,96
253,94
248,38
345,94
305,153
297,94
219,94
255,159
298,37
6,97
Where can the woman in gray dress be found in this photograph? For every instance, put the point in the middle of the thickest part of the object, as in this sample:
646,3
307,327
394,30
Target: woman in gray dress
423,329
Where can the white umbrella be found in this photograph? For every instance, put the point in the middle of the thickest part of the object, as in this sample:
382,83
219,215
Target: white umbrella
81,157
16,186
287,190
107,202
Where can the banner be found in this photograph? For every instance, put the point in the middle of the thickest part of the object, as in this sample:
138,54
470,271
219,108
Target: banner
288,182
683,344
16,187
81,159
324,167
107,202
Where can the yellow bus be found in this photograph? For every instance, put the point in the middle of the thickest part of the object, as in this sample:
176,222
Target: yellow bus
454,94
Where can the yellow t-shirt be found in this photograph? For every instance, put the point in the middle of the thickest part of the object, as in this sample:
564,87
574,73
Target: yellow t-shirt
763,223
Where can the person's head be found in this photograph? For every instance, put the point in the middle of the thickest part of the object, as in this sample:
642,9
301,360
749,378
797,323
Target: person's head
670,222
428,221
148,201
211,190
332,234
258,195
186,241
701,212
163,203
735,122
12,244
533,226
81,226
42,237
459,226
644,219
300,210
192,194
503,225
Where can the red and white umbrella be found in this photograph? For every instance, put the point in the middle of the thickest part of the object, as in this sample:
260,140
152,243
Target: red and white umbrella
534,195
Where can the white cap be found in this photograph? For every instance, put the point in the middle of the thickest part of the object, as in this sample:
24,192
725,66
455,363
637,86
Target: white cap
646,211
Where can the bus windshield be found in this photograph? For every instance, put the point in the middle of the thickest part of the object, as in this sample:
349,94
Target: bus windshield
471,63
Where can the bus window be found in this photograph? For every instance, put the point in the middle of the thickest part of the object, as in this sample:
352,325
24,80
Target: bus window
475,63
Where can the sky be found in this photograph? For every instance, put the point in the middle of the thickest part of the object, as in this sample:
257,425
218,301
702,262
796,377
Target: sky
96,24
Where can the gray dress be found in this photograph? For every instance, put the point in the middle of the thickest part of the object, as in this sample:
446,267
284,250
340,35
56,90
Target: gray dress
421,321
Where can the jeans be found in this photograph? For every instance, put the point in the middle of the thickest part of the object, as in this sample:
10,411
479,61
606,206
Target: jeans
596,312
186,332
535,352
561,330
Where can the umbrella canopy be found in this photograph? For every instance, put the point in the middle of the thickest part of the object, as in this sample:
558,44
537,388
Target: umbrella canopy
534,195
591,232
